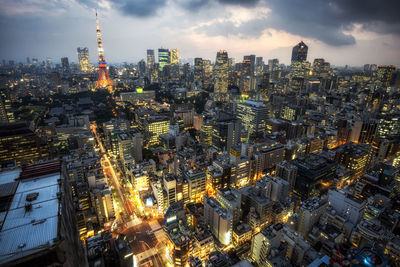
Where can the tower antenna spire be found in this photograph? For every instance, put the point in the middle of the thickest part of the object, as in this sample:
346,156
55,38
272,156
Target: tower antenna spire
103,80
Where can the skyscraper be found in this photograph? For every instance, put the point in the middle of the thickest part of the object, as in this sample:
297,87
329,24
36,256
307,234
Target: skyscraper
259,66
65,64
252,60
198,70
221,74
103,80
142,67
273,67
163,57
174,56
150,59
385,76
299,52
83,57
254,115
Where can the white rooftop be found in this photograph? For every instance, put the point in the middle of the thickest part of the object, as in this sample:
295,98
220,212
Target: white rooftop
29,230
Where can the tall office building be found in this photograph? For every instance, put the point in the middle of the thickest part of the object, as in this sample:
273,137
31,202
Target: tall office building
207,75
299,52
385,75
221,75
6,113
254,115
225,133
174,56
20,143
273,64
65,64
163,58
142,67
251,59
150,59
259,68
313,171
155,126
3,112
355,157
198,70
273,68
83,57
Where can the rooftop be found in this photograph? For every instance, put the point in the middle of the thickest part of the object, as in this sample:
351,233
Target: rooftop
31,224
313,203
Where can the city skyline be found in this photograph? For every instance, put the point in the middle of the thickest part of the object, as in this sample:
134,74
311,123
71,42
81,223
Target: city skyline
201,28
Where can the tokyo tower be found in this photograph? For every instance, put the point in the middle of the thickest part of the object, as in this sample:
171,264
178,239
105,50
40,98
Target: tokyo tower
103,79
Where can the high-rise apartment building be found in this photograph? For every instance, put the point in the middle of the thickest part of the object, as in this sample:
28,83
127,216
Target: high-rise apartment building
299,52
83,57
221,75
262,243
219,220
309,214
163,58
230,199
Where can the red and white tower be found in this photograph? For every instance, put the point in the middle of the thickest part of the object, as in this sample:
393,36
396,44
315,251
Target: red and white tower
103,79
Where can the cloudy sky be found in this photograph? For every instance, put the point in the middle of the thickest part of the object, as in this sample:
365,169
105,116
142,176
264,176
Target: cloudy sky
351,32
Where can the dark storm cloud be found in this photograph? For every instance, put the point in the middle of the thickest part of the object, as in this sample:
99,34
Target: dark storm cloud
140,8
192,5
239,2
318,19
135,8
324,20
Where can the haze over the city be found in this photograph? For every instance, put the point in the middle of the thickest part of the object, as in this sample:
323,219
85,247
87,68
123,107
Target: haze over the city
341,31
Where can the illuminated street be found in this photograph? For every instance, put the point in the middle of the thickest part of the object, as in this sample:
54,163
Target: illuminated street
147,238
